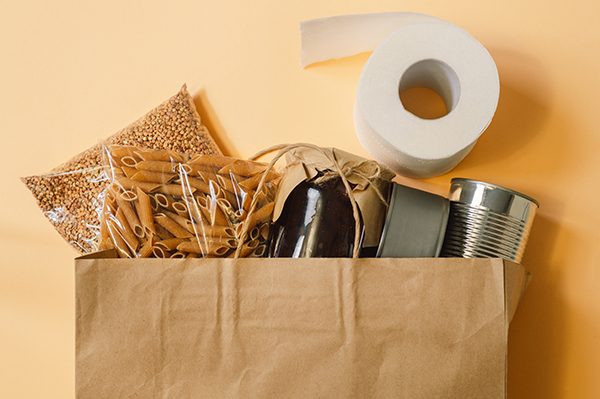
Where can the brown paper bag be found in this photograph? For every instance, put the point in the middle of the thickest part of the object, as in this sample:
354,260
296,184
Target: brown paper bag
293,328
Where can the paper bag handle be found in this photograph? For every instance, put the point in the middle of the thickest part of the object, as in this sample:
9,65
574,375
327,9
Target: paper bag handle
283,149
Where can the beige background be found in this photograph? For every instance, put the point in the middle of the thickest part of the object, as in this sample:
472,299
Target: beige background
74,72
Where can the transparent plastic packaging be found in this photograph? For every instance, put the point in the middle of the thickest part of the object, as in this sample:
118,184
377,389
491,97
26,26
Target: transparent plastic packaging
71,194
168,204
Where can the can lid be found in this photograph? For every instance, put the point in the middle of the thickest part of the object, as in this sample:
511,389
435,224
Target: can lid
492,197
415,224
471,183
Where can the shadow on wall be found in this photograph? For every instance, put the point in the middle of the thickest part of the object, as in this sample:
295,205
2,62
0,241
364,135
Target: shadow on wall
517,121
521,119
210,119
536,349
516,135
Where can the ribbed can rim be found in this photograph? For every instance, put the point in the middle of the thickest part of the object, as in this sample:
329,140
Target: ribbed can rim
473,232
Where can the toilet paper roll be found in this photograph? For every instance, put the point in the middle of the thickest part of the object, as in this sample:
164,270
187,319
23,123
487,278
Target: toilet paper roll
417,50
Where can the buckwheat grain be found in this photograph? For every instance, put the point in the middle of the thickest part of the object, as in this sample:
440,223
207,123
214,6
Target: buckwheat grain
71,194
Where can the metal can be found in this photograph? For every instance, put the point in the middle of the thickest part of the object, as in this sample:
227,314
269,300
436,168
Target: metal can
415,224
487,221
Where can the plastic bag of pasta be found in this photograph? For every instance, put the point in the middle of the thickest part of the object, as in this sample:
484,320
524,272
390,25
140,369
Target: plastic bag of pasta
168,204
70,195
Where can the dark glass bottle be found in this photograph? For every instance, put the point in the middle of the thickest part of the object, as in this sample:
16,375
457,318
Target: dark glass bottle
317,221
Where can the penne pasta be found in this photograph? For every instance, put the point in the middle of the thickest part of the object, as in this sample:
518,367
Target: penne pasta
252,182
112,192
153,203
120,151
260,216
145,211
146,249
157,166
247,203
124,229
264,231
181,208
175,189
197,183
211,160
117,173
196,218
159,252
215,190
231,192
105,243
128,195
259,251
128,161
228,210
180,220
254,233
165,201
170,244
129,171
241,167
204,230
201,200
172,226
158,155
106,212
117,239
130,214
228,184
183,168
196,169
231,242
128,184
209,176
239,215
162,233
225,205
216,216
247,200
205,216
174,205
111,208
248,248
259,197
211,248
153,177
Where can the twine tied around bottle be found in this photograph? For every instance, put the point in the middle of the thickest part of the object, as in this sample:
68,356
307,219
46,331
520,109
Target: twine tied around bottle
339,171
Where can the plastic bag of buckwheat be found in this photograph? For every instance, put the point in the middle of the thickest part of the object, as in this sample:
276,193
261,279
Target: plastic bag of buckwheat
71,194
